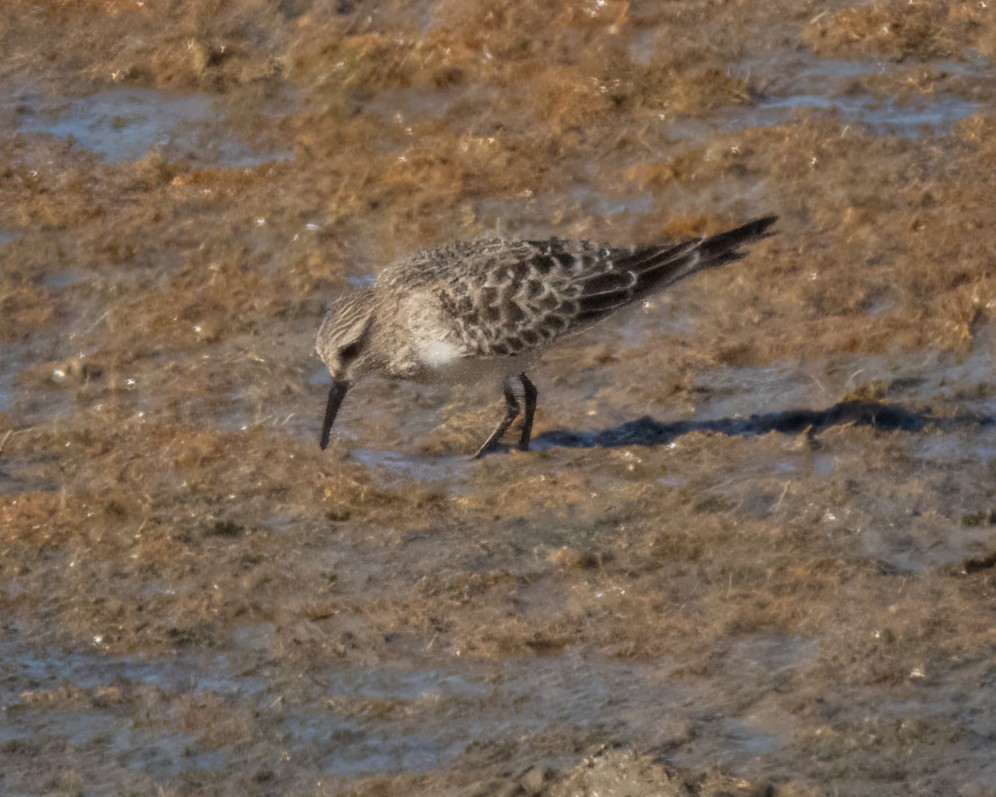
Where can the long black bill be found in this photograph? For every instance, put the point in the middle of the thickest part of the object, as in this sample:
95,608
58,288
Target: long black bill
336,394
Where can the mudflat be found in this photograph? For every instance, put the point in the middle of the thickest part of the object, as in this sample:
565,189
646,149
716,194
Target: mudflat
753,549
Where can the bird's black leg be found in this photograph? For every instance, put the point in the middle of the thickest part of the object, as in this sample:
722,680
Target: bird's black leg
511,413
530,394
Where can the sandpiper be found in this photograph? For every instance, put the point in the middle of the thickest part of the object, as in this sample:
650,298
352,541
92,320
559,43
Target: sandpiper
488,308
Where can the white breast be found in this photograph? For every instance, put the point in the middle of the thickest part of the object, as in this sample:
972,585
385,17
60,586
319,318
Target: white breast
439,354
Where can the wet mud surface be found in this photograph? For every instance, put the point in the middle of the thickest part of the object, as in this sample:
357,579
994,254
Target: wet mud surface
753,549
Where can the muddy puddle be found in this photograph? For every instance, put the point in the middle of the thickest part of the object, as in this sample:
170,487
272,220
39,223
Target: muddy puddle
847,88
127,122
357,720
752,550
850,91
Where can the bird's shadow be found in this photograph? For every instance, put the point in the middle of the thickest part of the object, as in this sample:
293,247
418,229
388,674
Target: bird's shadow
649,432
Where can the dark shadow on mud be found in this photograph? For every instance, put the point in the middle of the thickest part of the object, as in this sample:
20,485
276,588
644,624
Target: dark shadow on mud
648,432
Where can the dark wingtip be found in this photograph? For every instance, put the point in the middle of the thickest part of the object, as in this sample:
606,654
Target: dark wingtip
764,222
336,394
754,230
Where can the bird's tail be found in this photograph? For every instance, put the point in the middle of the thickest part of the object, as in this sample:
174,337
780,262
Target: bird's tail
658,267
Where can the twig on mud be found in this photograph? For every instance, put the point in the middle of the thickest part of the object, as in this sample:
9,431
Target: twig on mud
3,442
94,324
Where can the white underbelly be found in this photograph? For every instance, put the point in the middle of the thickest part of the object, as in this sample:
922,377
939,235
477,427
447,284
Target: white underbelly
445,361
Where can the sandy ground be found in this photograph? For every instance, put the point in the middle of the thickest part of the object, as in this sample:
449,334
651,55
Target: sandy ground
753,550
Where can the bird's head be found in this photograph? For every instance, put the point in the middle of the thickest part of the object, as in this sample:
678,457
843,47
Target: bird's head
342,345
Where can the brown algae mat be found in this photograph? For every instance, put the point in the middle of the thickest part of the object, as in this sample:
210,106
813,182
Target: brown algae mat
753,549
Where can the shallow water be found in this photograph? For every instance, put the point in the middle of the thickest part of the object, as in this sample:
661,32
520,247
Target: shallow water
387,719
126,122
935,114
871,95
827,85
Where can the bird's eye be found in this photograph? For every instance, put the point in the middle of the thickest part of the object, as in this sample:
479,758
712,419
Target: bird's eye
347,353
